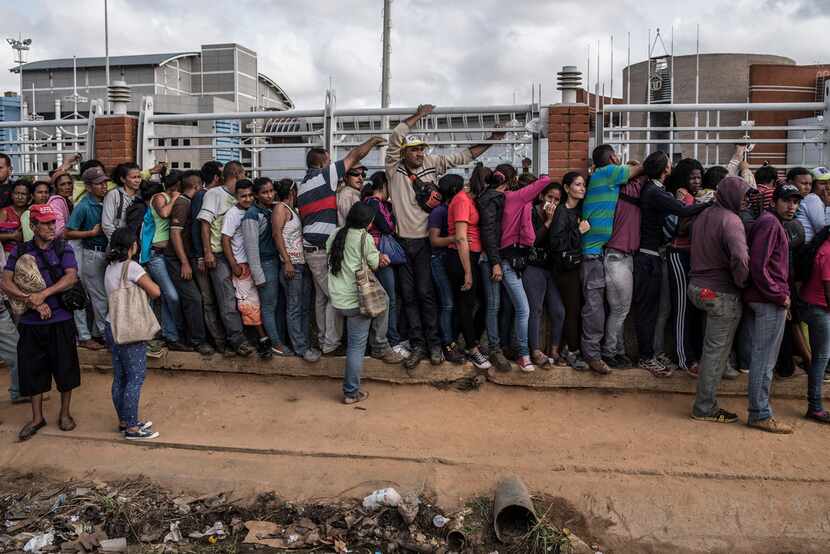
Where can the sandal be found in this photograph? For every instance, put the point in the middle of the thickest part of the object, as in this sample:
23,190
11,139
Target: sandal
62,425
30,430
662,373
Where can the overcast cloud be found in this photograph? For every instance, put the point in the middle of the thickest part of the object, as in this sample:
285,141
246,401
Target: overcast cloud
443,51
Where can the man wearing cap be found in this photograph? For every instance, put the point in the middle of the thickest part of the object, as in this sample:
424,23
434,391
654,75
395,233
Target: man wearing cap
407,165
46,348
349,192
85,224
768,299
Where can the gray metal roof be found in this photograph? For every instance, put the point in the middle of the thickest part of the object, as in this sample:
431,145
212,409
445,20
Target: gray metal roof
141,59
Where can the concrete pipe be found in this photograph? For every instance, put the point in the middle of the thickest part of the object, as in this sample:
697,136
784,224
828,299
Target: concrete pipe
513,512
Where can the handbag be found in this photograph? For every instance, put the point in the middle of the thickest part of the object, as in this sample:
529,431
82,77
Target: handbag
371,296
393,249
131,317
72,299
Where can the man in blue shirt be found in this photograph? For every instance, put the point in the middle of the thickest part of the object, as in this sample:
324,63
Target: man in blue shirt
85,225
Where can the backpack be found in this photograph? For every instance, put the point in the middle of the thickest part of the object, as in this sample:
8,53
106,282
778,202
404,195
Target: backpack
134,217
426,192
806,256
145,237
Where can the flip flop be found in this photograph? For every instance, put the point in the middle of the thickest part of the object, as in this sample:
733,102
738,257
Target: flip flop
64,427
29,430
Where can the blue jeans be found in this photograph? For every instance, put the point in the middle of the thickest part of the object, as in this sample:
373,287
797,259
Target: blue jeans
298,306
171,319
818,319
492,290
357,334
8,351
768,329
129,366
446,303
386,276
269,298
516,291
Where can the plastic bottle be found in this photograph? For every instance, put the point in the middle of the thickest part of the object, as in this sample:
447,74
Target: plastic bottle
439,521
383,497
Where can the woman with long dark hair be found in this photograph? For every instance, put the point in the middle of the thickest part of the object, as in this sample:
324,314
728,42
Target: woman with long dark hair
129,361
566,232
462,266
440,240
10,231
347,249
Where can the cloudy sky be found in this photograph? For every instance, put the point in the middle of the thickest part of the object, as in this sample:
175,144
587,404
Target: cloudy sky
443,51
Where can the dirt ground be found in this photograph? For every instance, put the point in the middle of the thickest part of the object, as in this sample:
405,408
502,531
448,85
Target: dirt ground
634,473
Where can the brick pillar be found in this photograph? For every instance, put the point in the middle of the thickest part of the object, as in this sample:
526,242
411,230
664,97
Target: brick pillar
567,139
115,139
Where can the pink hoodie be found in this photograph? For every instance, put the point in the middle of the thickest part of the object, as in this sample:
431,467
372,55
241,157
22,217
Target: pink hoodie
516,220
58,203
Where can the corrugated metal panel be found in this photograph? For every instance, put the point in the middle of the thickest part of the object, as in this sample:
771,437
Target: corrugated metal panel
225,155
140,59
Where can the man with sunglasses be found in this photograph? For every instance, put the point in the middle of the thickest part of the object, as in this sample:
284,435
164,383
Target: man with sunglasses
349,192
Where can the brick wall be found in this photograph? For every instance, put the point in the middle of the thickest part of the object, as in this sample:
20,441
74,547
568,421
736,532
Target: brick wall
115,139
567,139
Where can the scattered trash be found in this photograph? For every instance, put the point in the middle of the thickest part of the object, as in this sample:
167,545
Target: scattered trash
439,521
217,531
408,507
383,497
114,545
175,535
39,542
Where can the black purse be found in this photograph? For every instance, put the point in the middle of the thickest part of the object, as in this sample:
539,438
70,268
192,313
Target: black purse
71,299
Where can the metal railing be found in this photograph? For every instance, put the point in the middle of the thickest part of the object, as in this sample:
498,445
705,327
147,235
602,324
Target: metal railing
814,139
39,141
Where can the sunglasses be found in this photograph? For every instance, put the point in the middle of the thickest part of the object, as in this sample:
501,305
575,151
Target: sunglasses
356,174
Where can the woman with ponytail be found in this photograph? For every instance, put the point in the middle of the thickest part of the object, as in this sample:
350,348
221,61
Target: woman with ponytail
129,361
347,249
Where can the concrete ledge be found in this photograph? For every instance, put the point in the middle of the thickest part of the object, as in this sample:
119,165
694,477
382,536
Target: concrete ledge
637,380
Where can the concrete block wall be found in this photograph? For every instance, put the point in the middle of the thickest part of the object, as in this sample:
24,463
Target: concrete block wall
115,139
567,139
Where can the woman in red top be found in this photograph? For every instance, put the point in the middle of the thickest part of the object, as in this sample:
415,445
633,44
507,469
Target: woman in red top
815,292
10,233
462,266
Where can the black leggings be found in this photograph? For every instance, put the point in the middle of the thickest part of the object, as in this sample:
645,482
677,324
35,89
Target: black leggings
570,289
470,305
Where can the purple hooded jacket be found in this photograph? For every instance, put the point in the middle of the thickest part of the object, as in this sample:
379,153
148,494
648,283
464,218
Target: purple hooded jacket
769,261
720,257
516,221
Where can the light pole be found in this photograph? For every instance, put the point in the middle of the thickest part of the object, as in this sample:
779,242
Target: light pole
20,44
107,49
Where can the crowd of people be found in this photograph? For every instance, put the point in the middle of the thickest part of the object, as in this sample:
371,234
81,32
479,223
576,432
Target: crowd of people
420,263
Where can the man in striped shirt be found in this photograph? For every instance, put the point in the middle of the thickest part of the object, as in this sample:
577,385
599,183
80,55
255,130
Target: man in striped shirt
317,203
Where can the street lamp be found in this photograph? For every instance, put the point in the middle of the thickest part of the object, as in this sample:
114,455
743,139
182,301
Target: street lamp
20,44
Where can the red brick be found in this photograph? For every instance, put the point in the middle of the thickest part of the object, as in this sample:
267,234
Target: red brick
580,136
559,136
563,162
559,128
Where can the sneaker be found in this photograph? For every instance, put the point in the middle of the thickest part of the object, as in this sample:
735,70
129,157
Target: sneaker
664,359
731,373
143,425
721,416
414,359
402,350
693,370
598,366
498,359
744,370
340,351
177,346
652,364
526,364
359,397
91,345
540,359
281,350
388,356
610,361
154,350
770,425
479,360
205,349
827,376
245,349
822,416
453,354
264,348
312,355
436,356
140,435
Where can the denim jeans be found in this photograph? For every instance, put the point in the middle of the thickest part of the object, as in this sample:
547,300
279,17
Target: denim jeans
543,297
129,366
446,303
298,307
818,319
386,276
95,264
269,295
329,321
357,334
81,324
8,351
593,309
190,302
723,312
171,318
516,291
619,289
768,325
213,324
220,276
492,290
418,294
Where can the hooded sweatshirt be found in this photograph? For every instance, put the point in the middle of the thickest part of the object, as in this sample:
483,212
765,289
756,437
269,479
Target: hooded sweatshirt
720,257
769,261
516,221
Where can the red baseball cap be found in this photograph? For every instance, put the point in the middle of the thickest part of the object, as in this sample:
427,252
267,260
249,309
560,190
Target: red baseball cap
42,213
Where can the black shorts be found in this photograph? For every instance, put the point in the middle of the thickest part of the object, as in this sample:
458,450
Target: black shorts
44,352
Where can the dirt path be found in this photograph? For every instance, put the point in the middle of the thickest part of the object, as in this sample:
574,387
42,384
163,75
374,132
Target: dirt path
643,475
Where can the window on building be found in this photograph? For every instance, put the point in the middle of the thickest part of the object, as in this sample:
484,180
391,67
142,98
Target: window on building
174,142
185,142
185,165
45,166
161,142
174,165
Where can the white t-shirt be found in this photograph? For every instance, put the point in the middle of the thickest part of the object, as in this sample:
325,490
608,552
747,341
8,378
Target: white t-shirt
112,276
216,203
232,227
